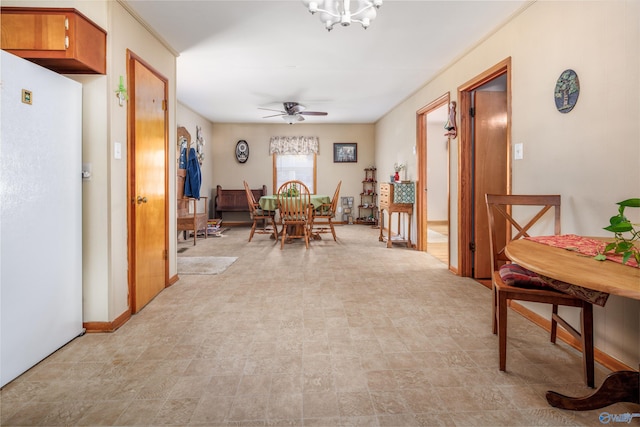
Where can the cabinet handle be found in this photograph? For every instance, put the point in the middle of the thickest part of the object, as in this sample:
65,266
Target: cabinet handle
142,199
66,42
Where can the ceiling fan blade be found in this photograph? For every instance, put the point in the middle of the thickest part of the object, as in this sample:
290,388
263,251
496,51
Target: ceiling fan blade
275,115
313,113
271,109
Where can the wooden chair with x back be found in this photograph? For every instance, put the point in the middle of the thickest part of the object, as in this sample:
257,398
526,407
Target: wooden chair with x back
512,282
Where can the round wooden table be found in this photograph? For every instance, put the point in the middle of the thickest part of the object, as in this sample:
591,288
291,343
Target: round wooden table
582,270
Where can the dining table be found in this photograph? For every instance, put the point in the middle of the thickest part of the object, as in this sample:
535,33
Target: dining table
571,260
270,202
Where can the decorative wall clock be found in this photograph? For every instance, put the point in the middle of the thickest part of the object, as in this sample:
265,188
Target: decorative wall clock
242,151
567,91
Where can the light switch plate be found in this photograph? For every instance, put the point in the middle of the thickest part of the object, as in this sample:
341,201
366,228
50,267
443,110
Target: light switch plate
518,151
117,150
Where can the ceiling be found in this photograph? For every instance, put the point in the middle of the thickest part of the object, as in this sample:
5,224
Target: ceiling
238,56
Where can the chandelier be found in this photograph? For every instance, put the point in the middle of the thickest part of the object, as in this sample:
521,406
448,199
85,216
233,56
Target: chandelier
332,12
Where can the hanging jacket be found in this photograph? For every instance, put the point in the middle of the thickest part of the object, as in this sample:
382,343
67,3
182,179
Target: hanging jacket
193,180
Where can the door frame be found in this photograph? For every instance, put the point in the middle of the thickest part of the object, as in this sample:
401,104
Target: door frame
131,175
465,162
421,185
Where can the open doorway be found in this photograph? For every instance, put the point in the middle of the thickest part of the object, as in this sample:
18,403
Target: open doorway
433,183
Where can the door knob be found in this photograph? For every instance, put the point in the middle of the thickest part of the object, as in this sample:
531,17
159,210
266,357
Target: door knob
142,199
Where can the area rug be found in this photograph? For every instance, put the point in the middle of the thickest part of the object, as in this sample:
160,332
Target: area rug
204,264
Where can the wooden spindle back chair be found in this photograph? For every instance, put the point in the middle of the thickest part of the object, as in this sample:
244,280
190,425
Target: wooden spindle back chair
294,206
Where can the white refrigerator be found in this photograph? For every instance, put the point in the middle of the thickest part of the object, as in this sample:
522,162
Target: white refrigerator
40,214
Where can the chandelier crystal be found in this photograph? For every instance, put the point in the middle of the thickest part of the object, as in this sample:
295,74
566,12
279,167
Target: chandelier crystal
332,12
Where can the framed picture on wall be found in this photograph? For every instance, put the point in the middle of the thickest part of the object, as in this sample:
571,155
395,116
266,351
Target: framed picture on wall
345,152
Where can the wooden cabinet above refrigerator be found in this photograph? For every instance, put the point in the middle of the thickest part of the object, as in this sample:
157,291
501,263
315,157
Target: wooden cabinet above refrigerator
60,39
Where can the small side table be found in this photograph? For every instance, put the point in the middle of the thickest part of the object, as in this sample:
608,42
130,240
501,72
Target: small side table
399,198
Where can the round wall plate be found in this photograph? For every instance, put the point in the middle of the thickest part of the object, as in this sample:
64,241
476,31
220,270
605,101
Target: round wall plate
567,91
242,151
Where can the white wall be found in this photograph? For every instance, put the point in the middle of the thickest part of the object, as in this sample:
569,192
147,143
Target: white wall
590,156
437,165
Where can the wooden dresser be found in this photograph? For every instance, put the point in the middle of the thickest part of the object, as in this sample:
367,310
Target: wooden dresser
398,198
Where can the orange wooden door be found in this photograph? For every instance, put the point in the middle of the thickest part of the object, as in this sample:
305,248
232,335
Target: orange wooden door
490,164
149,187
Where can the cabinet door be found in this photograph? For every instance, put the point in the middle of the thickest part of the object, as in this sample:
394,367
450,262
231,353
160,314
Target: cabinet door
33,31
60,39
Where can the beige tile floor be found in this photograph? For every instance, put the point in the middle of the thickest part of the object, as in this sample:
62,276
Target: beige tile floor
342,334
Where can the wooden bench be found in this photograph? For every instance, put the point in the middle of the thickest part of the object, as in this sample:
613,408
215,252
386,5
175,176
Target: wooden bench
234,200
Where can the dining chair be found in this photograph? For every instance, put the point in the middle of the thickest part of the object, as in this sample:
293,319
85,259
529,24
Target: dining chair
322,219
294,206
267,218
513,282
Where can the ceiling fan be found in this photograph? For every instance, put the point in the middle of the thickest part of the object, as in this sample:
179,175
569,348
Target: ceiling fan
293,112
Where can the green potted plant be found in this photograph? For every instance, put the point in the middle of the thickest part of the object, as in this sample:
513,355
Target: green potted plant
626,235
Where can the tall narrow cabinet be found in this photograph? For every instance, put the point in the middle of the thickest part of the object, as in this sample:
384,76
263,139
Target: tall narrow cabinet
368,208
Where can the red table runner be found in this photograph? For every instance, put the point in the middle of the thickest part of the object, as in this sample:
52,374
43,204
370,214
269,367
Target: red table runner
584,245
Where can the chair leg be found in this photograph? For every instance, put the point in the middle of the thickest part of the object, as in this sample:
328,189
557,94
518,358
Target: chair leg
502,330
554,323
333,231
586,334
253,230
494,312
275,229
284,235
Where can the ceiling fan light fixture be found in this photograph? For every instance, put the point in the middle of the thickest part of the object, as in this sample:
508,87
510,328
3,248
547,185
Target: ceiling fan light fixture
292,118
339,12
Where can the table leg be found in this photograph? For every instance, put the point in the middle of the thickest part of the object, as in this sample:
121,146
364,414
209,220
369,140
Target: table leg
389,242
621,386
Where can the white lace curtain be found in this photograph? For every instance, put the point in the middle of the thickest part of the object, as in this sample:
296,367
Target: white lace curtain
293,145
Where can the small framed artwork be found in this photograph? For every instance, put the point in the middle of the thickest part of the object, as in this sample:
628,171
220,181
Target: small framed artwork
345,152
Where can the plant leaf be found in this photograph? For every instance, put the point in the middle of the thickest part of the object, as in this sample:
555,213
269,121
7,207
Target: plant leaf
619,227
625,246
600,257
631,203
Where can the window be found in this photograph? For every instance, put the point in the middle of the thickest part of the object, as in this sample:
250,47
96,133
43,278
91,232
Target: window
287,167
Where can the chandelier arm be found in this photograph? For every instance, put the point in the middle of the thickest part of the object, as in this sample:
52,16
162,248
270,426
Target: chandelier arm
328,13
370,6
